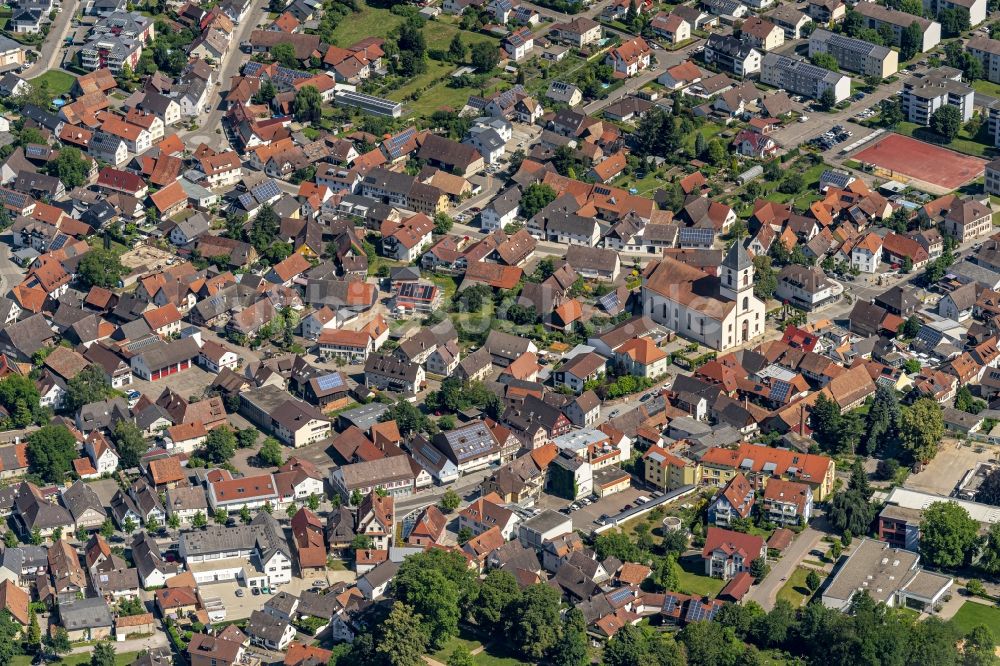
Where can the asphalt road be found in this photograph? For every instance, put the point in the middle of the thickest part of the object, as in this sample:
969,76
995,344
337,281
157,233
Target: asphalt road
52,48
230,67
766,592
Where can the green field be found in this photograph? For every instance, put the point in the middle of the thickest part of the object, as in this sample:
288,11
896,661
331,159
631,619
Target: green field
692,579
986,87
486,657
795,591
121,659
973,614
979,145
59,82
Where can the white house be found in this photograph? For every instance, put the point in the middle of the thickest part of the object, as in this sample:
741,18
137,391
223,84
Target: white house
866,255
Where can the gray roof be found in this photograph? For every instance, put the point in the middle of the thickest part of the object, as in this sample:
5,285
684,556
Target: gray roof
263,534
80,614
35,512
266,627
80,497
879,569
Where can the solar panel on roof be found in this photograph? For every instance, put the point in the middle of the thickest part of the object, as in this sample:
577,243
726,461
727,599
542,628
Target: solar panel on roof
620,595
603,191
610,301
246,200
780,391
670,604
432,454
266,190
59,242
328,382
698,236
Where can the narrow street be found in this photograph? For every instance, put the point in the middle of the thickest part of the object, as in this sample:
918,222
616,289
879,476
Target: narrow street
766,592
51,49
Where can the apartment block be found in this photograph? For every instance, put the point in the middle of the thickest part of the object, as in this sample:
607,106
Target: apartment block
875,15
855,55
977,8
923,96
987,51
993,177
803,78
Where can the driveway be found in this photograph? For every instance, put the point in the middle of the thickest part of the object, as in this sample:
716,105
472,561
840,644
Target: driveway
766,592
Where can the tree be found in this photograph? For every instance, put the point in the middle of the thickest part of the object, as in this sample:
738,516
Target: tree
51,451
220,516
891,113
946,122
571,648
198,520
246,437
34,637
20,397
245,515
129,443
812,581
457,50
307,105
265,93
440,588
980,647
270,452
498,592
911,327
129,526
716,152
265,228
851,510
460,656
70,167
403,639
765,277
533,623
450,501
828,99
219,446
409,419
313,501
152,524
883,419
36,537
710,643
58,641
101,267
826,61
10,539
759,568
948,535
953,21
464,535
536,197
89,385
666,573
617,545
284,54
103,654
442,222
989,489
921,428
965,401
174,520
485,56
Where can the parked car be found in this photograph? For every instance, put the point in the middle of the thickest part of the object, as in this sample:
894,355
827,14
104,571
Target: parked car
240,592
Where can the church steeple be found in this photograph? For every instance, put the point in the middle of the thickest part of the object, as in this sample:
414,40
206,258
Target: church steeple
737,275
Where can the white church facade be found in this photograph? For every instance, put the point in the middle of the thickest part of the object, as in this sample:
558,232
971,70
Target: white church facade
718,312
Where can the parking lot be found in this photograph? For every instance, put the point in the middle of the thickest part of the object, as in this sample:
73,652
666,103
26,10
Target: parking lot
942,475
240,607
585,518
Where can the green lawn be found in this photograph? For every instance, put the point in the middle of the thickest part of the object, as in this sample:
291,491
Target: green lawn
487,657
979,145
59,82
973,614
692,579
121,659
795,591
986,87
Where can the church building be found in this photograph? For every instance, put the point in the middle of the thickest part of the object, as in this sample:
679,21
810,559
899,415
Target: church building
719,312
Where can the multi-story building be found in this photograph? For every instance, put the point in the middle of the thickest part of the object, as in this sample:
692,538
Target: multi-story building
669,471
993,176
855,55
727,553
876,15
977,8
731,54
803,78
987,51
719,465
923,96
787,502
257,554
